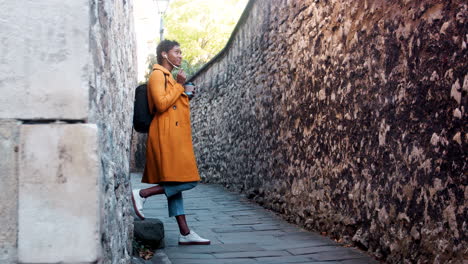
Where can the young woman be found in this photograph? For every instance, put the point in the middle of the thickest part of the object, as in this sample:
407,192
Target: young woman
170,160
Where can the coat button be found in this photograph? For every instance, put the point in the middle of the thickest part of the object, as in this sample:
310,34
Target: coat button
177,123
174,107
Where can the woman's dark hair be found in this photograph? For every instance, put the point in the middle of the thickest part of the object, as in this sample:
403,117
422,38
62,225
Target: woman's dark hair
165,46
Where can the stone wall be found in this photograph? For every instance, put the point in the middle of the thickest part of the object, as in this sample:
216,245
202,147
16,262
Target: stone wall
138,152
347,117
66,97
112,83
9,136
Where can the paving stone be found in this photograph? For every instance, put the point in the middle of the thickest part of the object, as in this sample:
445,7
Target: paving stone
191,255
232,229
223,217
217,248
291,259
246,222
215,261
337,255
287,259
311,250
295,244
301,235
244,213
275,233
360,261
234,209
262,227
252,254
239,238
241,232
160,257
136,260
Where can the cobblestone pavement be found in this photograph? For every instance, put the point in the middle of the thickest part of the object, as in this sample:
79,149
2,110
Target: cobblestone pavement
240,232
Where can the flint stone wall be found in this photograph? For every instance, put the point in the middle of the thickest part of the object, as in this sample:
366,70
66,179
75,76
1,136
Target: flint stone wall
112,82
138,152
347,117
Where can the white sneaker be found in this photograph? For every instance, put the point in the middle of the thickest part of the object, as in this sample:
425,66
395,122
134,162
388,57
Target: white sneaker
138,202
193,239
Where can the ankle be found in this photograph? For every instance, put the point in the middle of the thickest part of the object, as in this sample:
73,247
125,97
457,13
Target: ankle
185,233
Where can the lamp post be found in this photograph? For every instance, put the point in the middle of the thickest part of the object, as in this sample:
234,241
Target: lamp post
162,6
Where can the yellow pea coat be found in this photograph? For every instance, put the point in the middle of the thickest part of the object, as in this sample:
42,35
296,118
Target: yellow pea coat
169,150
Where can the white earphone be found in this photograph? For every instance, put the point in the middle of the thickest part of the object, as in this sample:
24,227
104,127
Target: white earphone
165,56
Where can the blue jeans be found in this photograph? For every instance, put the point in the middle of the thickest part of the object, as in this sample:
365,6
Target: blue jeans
175,201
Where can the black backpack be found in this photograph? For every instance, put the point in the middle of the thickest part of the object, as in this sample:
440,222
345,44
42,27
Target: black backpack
141,113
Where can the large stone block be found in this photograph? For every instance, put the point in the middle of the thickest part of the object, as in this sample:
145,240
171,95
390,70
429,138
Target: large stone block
44,59
9,131
149,232
58,216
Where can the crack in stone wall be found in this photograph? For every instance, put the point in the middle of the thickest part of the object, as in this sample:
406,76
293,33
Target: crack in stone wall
347,117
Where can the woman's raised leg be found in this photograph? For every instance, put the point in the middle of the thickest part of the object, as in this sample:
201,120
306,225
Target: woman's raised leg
155,190
139,197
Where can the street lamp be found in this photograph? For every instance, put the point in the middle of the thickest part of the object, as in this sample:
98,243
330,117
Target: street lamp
162,6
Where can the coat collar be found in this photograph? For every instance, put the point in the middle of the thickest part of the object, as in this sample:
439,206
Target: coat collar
166,72
161,68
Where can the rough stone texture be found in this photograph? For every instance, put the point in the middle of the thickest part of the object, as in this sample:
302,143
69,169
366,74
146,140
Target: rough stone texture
113,78
138,152
149,232
58,194
72,61
44,59
347,117
9,130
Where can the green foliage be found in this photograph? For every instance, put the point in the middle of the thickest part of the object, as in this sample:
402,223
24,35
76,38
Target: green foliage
191,69
202,27
150,61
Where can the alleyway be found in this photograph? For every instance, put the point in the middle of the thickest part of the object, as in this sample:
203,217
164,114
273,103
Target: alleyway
240,232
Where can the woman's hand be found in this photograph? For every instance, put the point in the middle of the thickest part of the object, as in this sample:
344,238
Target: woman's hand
181,77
